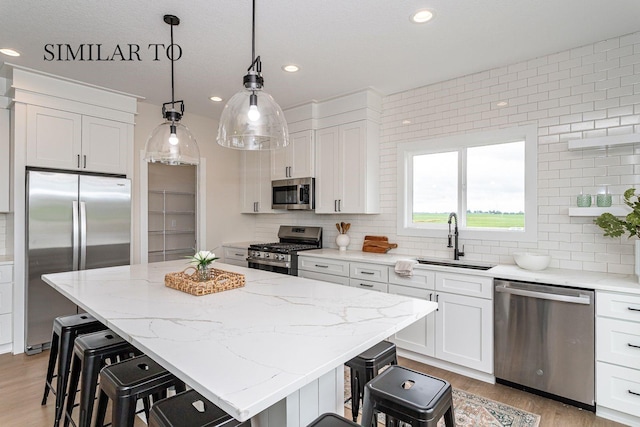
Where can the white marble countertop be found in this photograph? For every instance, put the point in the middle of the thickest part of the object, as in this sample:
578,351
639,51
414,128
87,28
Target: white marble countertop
554,276
247,348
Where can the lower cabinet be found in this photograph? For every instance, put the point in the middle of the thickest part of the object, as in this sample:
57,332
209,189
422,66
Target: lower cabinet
6,304
420,336
235,256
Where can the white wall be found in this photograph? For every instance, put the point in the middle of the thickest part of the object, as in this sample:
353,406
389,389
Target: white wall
223,221
3,234
589,91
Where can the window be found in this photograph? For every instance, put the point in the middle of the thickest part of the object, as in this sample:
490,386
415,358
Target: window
487,179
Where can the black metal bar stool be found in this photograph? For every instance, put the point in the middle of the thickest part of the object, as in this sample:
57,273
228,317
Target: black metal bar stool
91,353
412,397
332,420
65,331
126,382
190,409
365,367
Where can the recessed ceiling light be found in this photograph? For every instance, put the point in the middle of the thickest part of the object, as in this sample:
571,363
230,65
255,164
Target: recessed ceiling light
291,68
216,99
502,104
421,16
9,52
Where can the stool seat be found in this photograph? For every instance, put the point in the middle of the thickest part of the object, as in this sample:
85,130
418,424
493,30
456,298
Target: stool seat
65,331
91,353
409,396
126,382
365,367
332,420
190,409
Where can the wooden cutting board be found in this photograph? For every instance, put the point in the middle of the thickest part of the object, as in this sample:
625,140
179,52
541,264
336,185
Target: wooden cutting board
377,244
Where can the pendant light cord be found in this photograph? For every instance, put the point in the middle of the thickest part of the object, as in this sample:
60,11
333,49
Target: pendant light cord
172,84
253,34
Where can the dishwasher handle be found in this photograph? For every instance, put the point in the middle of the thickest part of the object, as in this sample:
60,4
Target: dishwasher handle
582,299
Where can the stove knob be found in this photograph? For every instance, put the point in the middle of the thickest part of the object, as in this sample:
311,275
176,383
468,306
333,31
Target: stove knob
267,255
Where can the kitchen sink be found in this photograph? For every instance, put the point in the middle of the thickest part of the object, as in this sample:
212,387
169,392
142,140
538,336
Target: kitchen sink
454,263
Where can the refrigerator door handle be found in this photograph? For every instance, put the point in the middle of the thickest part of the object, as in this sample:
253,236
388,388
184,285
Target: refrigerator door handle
75,235
83,236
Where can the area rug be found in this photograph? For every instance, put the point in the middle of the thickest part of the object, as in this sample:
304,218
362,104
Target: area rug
471,410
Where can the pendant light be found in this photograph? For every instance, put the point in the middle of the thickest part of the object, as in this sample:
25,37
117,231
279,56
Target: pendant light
252,120
171,142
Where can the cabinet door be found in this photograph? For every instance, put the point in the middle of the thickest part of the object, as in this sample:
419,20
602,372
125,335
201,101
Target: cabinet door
281,160
339,280
464,331
302,155
4,160
352,163
250,176
420,336
264,192
327,169
105,145
53,138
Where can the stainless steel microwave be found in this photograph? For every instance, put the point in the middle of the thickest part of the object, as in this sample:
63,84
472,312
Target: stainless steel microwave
295,194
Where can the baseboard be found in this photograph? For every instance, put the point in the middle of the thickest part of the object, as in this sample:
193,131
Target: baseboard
442,364
6,348
617,416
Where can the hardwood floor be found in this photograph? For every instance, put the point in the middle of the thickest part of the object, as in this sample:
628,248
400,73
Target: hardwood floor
22,382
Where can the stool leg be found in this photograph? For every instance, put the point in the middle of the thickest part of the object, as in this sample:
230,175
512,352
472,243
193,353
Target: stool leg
147,406
53,353
367,410
64,362
123,412
101,412
449,419
74,378
89,384
355,395
180,386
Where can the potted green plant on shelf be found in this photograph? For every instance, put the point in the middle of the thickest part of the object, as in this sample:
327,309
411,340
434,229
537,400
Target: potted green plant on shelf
616,227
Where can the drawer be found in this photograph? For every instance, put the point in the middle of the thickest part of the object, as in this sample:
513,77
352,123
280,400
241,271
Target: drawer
235,254
618,341
620,306
6,292
422,279
427,294
323,265
367,284
5,328
340,280
370,272
465,284
618,388
6,273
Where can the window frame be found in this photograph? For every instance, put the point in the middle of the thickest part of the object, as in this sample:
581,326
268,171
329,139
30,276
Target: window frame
407,150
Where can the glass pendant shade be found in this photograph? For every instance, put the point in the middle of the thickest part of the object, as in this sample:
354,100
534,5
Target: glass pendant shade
252,120
171,143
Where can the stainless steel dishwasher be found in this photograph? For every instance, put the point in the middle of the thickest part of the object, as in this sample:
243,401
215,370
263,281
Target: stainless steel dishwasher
544,340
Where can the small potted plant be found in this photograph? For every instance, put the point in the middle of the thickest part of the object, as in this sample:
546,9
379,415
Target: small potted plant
616,227
201,261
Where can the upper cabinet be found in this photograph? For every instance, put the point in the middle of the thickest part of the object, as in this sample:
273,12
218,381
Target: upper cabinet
296,160
347,168
5,182
64,140
256,182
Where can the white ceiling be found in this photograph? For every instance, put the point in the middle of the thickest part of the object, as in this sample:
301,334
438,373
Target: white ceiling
341,45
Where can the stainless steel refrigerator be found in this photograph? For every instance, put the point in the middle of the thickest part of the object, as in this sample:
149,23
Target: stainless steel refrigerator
74,222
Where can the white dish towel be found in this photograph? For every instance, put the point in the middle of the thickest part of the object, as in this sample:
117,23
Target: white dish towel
404,267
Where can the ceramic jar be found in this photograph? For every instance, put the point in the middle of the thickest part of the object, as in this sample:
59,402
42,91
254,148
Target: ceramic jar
343,241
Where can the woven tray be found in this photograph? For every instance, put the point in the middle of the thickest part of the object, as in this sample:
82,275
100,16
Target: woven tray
187,282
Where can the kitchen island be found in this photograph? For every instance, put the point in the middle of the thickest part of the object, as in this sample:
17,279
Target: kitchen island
271,351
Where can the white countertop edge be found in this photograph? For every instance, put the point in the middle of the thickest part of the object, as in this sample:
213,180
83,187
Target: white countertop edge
6,259
613,282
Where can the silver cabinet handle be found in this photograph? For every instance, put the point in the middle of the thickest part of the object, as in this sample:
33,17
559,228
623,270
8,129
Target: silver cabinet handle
322,266
335,205
431,296
634,393
633,309
582,299
239,254
370,273
633,345
438,308
78,161
339,205
366,285
85,161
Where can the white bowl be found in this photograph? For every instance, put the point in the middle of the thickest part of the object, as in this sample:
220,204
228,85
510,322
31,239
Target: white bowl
531,261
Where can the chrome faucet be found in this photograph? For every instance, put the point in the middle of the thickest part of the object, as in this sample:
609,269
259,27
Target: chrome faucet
456,253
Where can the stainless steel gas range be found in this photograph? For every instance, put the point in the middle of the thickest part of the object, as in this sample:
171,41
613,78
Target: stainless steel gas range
282,256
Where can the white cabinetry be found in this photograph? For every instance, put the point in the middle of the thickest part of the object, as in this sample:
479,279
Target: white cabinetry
296,160
6,304
256,182
63,140
235,256
5,182
618,356
347,165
